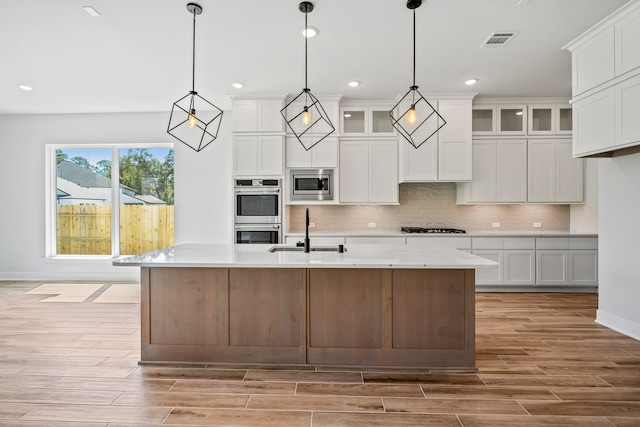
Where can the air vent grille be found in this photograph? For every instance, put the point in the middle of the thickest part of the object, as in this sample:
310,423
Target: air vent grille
498,39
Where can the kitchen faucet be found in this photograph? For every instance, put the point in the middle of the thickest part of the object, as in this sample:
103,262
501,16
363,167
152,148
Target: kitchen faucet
307,247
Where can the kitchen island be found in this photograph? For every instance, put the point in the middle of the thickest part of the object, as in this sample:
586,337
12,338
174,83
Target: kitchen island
373,305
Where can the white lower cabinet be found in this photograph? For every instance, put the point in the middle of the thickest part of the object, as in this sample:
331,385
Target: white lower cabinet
460,243
565,261
375,240
318,240
369,171
516,257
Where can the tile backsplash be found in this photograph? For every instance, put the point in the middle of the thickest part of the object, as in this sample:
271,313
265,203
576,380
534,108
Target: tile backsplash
431,205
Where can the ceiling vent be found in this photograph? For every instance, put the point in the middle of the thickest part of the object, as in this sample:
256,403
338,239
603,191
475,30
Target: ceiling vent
498,39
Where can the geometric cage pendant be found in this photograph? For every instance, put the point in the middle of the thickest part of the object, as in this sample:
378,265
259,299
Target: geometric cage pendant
417,120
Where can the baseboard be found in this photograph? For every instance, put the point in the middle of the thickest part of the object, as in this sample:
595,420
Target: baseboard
549,289
624,326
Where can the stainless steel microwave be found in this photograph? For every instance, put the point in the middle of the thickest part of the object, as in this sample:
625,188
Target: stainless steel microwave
311,184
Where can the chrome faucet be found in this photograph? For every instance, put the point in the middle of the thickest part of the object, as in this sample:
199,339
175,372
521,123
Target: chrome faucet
307,246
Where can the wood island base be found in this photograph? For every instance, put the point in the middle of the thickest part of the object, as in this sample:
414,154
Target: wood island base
317,316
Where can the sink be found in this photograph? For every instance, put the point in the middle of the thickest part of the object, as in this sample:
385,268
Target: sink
301,249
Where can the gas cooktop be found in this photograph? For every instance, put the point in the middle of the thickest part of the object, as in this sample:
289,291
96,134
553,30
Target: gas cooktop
435,230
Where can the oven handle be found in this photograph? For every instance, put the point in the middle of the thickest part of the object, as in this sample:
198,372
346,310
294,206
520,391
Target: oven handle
258,227
254,191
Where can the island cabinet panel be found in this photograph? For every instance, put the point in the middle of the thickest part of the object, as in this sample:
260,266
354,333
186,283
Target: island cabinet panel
266,307
426,311
347,316
188,306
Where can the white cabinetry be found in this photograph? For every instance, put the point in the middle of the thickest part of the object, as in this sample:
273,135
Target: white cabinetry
516,258
376,240
549,119
447,155
331,108
257,115
460,243
369,171
500,173
606,84
257,155
565,261
370,119
554,176
322,155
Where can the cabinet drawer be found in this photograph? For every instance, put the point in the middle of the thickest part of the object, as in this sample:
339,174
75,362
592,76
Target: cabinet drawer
552,243
488,243
519,243
583,243
452,242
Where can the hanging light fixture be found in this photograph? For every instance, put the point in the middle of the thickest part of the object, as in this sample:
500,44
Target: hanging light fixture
420,121
304,114
194,120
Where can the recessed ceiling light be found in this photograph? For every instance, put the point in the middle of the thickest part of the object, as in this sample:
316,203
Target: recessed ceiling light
25,87
237,85
471,82
91,11
347,115
309,31
354,83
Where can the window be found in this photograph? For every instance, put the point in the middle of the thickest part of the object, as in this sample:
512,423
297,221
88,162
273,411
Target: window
110,200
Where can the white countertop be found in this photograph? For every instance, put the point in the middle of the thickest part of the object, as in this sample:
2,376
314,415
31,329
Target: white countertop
391,233
356,256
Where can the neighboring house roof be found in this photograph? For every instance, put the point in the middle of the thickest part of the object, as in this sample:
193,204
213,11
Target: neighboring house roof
69,190
150,200
81,176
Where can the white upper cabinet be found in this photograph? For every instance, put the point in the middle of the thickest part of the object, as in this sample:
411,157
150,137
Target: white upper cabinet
511,119
257,115
445,156
554,176
503,119
257,156
322,155
550,119
366,120
330,105
369,171
606,83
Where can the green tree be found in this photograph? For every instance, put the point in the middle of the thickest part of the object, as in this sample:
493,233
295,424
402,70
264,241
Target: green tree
145,174
61,156
79,160
103,167
165,179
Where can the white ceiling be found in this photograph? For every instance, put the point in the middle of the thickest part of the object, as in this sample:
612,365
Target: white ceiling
137,55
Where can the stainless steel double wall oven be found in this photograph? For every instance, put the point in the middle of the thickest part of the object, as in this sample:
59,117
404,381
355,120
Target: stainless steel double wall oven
258,211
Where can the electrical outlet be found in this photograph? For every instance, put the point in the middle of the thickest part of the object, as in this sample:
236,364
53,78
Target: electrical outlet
537,224
372,225
312,224
495,224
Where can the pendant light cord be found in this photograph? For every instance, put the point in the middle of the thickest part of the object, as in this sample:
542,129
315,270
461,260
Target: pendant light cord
193,55
306,36
414,47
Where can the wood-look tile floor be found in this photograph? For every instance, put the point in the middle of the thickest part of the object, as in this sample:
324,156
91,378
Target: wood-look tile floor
541,358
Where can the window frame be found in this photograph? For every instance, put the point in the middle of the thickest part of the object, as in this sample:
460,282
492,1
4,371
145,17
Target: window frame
51,198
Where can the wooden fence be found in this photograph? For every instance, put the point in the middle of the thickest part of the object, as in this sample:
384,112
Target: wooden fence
86,229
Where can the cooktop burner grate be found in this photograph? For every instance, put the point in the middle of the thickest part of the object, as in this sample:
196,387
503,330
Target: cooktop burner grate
434,230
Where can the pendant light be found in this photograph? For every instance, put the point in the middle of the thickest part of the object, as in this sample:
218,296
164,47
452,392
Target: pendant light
420,121
304,114
194,120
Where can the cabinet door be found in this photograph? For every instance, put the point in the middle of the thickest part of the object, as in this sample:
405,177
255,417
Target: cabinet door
354,171
454,141
542,170
419,164
512,119
512,171
296,155
383,171
541,120
594,124
564,119
489,276
325,153
484,120
583,267
485,170
268,115
245,115
270,155
627,36
552,267
245,155
519,267
593,63
627,97
569,174
380,122
354,121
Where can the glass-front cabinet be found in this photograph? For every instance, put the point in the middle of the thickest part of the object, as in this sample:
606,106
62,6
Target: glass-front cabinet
522,119
553,119
484,120
511,120
366,120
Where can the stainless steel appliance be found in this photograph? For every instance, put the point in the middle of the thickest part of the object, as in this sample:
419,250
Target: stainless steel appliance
257,201
311,184
257,233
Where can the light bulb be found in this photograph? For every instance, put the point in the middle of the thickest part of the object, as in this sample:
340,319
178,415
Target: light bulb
193,121
306,117
411,115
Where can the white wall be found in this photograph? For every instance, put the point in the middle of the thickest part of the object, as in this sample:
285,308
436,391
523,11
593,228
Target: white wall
584,217
619,244
202,188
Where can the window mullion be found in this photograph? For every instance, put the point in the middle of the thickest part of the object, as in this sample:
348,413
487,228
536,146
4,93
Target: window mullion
115,201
